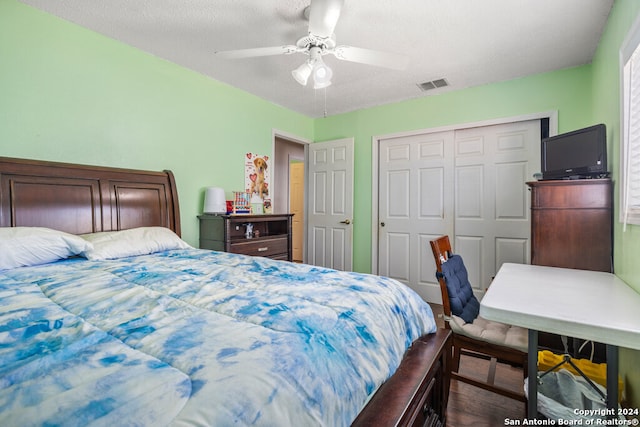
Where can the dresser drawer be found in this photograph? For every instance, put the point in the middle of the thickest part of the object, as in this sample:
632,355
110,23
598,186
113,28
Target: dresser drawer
584,194
262,247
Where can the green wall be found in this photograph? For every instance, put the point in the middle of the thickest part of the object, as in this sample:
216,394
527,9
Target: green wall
69,94
606,106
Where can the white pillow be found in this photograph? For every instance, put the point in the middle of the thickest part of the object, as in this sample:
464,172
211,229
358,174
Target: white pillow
135,241
25,246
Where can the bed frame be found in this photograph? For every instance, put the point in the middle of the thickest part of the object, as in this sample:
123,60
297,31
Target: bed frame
84,199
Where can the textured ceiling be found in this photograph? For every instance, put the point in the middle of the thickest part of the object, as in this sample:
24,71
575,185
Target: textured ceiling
467,42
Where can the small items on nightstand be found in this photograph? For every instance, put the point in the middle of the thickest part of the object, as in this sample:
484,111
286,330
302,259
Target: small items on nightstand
257,205
241,203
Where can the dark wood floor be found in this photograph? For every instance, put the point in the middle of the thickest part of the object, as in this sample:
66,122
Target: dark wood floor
472,406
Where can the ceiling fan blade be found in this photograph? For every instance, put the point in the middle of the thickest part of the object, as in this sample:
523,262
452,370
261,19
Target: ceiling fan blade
259,51
323,17
394,61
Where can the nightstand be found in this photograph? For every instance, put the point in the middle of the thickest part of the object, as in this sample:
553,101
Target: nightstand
271,234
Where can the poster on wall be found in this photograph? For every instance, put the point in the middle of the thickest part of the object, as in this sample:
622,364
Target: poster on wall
257,179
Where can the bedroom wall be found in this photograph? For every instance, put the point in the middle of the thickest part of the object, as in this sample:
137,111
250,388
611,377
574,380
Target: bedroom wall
68,94
606,106
73,95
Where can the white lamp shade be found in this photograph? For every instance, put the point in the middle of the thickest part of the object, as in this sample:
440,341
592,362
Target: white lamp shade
302,73
214,201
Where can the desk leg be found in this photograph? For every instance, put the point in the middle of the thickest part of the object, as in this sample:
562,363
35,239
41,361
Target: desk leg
532,366
612,381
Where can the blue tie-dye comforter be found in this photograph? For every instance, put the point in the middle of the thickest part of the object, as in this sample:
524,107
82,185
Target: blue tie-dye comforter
194,337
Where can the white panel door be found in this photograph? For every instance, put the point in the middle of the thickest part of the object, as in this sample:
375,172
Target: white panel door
416,205
330,212
492,221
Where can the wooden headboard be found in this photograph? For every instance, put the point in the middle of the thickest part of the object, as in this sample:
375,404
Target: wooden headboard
85,199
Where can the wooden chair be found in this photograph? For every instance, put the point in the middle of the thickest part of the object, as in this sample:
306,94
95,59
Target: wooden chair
480,338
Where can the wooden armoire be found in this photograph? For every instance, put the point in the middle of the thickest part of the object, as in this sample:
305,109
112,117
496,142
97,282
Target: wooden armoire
572,224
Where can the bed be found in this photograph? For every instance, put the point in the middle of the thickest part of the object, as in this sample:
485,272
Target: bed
127,324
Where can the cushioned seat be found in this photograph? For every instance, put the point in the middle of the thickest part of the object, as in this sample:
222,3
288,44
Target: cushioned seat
492,332
473,335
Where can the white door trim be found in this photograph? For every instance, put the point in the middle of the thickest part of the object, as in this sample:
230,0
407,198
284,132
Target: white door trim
375,160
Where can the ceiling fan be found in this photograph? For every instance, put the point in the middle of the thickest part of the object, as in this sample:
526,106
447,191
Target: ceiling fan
323,16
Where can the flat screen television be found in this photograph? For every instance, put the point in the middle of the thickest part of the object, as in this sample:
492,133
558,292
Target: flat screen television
575,155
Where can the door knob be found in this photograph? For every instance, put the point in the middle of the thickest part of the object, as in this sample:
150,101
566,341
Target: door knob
382,224
346,221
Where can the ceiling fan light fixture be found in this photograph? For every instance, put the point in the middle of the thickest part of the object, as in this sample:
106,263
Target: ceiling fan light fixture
321,75
302,73
320,40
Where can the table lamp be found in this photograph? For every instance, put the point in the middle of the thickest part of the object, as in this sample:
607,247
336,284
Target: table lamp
214,201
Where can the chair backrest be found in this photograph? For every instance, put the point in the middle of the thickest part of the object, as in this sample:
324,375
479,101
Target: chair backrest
457,294
441,248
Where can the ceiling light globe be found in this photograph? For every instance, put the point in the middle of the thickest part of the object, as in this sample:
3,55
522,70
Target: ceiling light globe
322,76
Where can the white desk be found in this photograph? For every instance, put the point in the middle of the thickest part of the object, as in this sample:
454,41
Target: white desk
583,304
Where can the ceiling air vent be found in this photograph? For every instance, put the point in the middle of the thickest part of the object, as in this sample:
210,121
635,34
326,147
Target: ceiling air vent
433,84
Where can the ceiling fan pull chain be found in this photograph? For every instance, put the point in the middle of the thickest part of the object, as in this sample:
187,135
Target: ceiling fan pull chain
325,102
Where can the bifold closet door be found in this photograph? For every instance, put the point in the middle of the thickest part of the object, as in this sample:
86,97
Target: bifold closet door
468,184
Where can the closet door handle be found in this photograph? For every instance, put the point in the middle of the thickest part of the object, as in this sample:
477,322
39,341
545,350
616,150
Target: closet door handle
346,221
